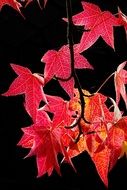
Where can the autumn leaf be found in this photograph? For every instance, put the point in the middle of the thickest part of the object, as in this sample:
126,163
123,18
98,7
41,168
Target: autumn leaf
13,3
98,23
104,137
120,79
101,160
59,108
47,143
112,135
91,143
26,141
96,109
122,19
16,5
122,124
57,63
29,84
116,135
115,142
74,149
95,138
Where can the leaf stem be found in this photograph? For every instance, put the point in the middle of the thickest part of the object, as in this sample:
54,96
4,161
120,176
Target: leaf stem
105,82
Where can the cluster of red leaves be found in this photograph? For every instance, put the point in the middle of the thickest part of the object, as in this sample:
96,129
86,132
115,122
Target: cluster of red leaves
16,5
105,136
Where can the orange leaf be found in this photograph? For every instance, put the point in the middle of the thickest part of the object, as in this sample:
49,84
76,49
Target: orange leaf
77,148
101,161
115,142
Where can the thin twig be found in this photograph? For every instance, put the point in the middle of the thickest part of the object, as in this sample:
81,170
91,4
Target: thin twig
105,82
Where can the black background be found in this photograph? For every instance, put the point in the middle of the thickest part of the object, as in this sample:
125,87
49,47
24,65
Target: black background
24,41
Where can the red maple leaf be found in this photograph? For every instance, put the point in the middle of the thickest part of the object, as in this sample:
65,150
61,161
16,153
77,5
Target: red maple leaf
12,3
30,85
97,23
57,63
120,79
59,108
46,144
26,141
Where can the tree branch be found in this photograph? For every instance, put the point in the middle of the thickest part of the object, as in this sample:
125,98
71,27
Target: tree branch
73,72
